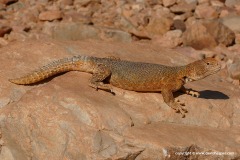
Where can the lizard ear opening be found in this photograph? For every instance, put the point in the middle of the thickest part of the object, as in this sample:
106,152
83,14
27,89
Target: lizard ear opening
187,79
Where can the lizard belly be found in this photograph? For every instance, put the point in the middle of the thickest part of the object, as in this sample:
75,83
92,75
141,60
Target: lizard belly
146,83
142,76
131,83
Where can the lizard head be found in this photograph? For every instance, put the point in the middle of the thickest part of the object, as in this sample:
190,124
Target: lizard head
201,69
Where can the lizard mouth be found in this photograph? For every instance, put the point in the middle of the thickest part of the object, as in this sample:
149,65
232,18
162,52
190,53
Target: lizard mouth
215,70
207,73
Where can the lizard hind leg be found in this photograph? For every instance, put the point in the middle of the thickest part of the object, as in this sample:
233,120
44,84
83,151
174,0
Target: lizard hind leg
100,73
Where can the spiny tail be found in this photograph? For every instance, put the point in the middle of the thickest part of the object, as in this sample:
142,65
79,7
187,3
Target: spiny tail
75,63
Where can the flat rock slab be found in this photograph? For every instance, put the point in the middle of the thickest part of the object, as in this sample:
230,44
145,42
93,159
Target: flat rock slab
63,118
170,141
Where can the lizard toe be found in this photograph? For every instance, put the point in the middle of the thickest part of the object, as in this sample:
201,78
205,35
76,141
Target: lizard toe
183,115
179,102
179,108
182,112
193,93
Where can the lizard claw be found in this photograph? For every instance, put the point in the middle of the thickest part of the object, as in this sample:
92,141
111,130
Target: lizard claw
102,86
111,91
179,102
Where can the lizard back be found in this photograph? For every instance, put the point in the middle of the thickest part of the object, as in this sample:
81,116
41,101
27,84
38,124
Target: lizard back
139,76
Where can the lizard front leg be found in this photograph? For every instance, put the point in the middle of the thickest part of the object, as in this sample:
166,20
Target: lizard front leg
169,100
100,73
190,92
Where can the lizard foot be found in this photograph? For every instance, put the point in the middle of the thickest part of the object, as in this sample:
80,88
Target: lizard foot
190,92
179,107
102,86
193,93
100,73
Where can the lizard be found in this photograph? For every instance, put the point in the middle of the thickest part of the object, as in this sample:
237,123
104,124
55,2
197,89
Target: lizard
128,75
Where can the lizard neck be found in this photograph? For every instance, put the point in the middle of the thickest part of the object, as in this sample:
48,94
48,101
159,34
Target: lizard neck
184,73
192,72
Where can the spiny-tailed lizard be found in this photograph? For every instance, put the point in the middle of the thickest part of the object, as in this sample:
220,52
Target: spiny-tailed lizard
135,76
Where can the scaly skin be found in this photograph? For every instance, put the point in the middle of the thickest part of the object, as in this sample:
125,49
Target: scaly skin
135,76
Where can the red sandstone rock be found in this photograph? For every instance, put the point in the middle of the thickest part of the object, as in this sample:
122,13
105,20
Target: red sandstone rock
4,30
168,3
224,13
232,22
50,15
3,42
159,26
231,3
237,39
140,18
179,24
183,16
221,33
198,37
208,34
203,1
234,68
206,12
183,8
7,2
217,3
171,39
64,118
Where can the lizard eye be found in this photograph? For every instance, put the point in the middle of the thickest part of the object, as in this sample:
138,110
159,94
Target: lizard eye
208,63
